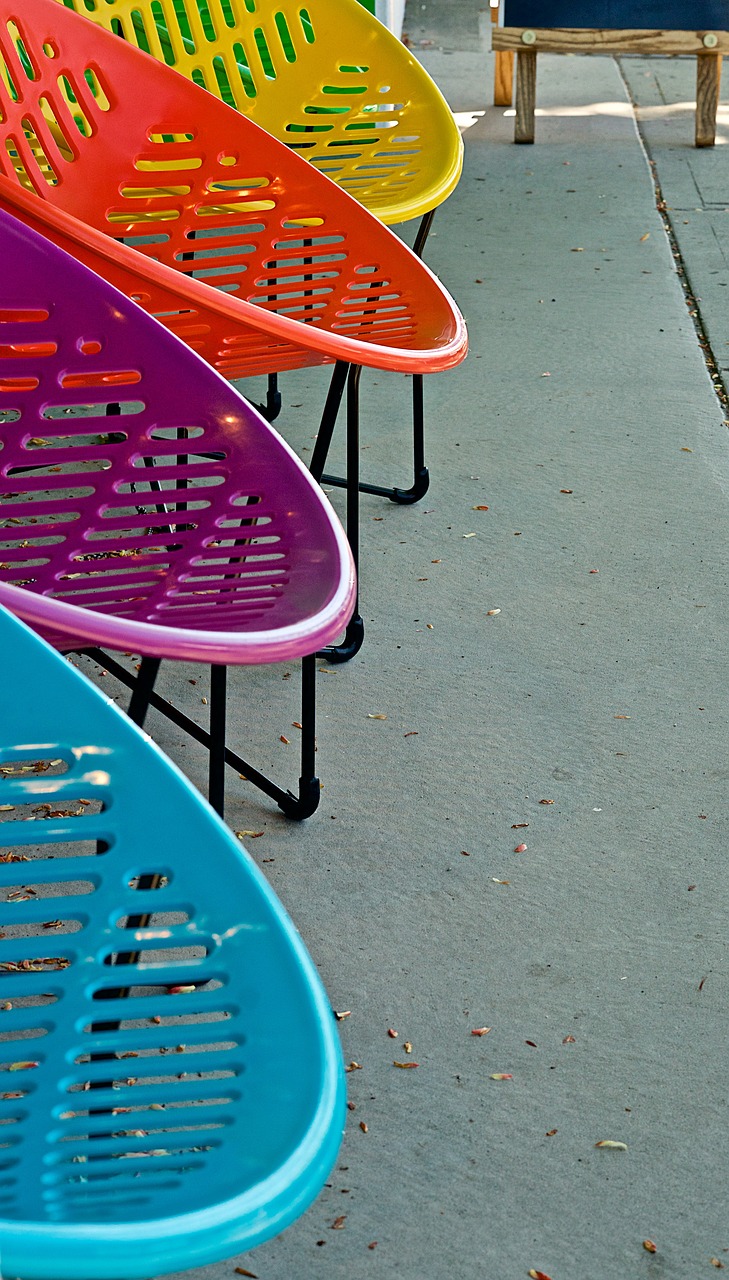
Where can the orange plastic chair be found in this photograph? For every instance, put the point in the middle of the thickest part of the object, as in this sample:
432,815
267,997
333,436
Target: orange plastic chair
332,83
202,197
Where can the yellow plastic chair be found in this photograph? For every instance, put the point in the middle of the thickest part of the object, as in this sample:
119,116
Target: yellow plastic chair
325,77
333,84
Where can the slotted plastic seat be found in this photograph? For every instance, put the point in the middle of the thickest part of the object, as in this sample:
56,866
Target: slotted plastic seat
333,84
324,77
304,274
172,1082
183,527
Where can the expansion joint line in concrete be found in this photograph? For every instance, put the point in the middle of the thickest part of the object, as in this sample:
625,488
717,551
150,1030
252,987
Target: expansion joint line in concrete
692,302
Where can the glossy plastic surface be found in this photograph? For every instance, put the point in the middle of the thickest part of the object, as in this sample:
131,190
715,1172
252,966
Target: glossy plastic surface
181,527
325,77
302,272
173,1085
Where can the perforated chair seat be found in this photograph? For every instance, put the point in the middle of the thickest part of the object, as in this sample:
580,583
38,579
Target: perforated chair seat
181,527
325,78
302,272
288,269
172,1083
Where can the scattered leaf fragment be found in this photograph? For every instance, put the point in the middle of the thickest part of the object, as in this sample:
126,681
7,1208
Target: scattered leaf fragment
465,853
691,888
372,1244
497,881
363,1126
253,835
284,739
650,1247
530,1043
546,801
492,613
339,1222
516,825
566,490
480,1031
242,1271
377,715
703,980
607,1144
594,570
468,535
645,237
6,808
345,1013
715,1262
22,1066
296,724
621,717
392,1033
551,1132
406,1066
354,1066
408,1047
542,1275
520,848
579,250
684,449
412,733
479,508
501,1075
569,1040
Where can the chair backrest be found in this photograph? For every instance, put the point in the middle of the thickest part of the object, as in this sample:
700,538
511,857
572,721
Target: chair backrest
172,1083
326,78
182,525
129,147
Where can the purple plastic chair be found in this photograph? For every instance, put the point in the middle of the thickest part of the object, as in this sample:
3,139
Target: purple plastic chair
180,527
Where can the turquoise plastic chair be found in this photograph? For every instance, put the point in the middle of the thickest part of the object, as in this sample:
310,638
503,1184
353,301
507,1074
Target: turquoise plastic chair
190,1105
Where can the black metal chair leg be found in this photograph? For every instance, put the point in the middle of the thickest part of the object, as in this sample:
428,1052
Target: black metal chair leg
354,634
309,795
272,406
213,739
421,475
426,223
216,765
143,686
329,418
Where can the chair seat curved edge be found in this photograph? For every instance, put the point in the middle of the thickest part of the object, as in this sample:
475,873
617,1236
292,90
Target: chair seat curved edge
162,292
49,708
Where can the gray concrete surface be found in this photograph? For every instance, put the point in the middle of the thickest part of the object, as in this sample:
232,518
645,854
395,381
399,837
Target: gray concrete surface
584,418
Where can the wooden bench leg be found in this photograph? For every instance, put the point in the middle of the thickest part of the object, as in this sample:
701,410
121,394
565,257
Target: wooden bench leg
503,78
526,90
708,80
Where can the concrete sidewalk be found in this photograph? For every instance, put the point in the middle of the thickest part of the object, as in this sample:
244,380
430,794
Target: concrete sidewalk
587,720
